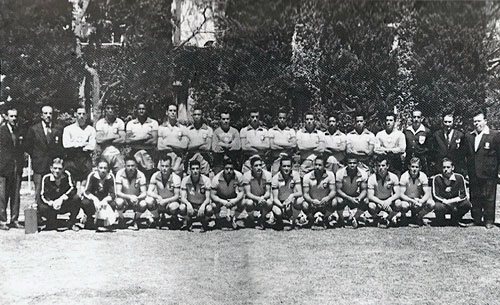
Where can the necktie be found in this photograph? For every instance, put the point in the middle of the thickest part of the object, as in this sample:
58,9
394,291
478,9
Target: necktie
49,133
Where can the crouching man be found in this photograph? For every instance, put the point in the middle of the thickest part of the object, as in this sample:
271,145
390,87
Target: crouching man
351,182
383,194
449,192
130,192
287,193
164,193
58,194
99,198
257,186
227,192
319,192
415,194
195,197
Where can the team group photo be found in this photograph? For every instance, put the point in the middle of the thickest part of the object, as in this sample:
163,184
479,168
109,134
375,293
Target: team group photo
249,152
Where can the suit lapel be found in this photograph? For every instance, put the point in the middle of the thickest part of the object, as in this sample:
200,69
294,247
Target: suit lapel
41,133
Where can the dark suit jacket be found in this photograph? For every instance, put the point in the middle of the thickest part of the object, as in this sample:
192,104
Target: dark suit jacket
41,150
454,149
10,152
483,164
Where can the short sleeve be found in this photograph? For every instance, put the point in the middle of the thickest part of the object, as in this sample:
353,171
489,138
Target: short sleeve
245,180
340,175
206,182
275,182
142,178
98,125
307,180
424,179
404,179
296,177
183,183
372,182
176,180
121,124
215,182
154,125
243,132
268,177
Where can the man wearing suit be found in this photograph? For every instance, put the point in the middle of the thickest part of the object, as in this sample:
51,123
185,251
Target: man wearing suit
43,142
11,168
483,151
449,143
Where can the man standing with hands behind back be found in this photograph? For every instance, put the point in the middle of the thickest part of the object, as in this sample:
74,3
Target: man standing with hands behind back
11,168
483,151
43,142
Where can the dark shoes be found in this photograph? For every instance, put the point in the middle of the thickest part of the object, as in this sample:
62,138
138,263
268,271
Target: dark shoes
16,225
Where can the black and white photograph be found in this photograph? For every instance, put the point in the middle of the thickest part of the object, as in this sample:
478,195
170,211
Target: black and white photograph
249,152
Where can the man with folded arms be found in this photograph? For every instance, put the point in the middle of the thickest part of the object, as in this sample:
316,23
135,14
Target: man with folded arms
450,195
335,145
282,140
110,135
392,143
254,140
58,194
310,143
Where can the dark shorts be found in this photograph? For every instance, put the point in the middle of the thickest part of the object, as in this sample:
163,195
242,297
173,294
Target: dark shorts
79,167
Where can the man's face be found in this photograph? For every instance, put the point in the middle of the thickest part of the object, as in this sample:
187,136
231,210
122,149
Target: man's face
281,120
56,169
12,117
479,122
141,110
197,115
319,166
286,167
309,121
225,120
254,118
448,122
332,123
389,122
229,169
448,169
130,168
81,115
352,164
417,117
257,168
382,168
47,114
414,169
172,112
195,170
102,169
110,110
165,167
359,123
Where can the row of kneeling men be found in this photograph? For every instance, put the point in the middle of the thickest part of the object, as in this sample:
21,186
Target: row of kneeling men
320,198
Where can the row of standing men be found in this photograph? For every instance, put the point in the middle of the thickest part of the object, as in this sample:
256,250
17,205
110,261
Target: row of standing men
148,140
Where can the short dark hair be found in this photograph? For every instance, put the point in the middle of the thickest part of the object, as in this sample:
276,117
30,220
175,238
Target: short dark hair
166,157
130,158
194,162
228,161
350,156
381,158
255,159
357,114
101,160
285,158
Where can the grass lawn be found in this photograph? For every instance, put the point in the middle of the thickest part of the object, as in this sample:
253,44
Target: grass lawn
338,266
